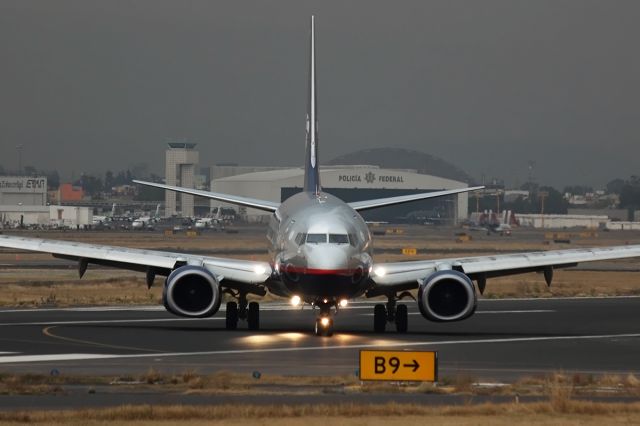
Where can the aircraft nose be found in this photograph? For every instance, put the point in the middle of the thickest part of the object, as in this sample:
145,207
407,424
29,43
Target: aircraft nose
327,258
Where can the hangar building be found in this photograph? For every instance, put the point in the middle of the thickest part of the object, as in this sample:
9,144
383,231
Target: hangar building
23,190
351,183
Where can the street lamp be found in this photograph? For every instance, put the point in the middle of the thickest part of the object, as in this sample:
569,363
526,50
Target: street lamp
19,148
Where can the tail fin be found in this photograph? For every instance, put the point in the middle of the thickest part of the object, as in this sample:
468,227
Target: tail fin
311,171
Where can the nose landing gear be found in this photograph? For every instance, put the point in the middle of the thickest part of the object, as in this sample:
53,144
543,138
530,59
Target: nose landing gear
324,321
324,326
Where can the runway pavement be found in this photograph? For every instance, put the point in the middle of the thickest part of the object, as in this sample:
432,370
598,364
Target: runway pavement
504,340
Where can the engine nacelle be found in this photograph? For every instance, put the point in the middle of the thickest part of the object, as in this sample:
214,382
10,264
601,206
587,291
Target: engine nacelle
192,291
447,296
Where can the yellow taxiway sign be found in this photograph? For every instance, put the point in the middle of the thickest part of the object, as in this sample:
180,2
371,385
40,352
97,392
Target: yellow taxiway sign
411,366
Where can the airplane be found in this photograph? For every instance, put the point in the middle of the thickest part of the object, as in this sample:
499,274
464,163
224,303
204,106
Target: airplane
489,222
211,222
321,254
101,220
146,222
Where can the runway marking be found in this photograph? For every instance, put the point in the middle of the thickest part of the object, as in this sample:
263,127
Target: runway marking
50,357
528,299
70,357
47,332
274,306
115,321
87,309
522,311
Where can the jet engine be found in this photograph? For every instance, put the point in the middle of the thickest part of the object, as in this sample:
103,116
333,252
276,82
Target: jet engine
447,296
191,291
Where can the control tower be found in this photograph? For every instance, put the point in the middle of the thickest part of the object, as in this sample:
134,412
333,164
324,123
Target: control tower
181,162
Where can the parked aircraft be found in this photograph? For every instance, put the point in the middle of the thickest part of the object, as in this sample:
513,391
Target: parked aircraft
102,219
211,222
321,254
146,222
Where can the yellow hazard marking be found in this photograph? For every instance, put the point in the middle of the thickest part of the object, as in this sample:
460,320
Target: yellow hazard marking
47,332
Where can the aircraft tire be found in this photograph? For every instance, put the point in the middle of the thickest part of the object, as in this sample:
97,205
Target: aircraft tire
232,316
379,318
253,317
402,318
329,330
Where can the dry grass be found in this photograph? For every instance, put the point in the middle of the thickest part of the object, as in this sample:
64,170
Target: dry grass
573,412
32,288
188,381
555,386
40,384
566,283
63,288
38,287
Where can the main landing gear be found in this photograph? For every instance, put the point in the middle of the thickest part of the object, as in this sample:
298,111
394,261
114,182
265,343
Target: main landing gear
391,313
243,310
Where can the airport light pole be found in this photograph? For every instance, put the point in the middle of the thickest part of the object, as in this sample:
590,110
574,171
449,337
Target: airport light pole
19,148
542,195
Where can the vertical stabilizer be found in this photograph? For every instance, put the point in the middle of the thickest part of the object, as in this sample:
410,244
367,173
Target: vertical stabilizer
311,172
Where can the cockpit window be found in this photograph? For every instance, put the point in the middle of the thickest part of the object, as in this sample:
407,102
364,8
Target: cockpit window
338,239
300,238
316,238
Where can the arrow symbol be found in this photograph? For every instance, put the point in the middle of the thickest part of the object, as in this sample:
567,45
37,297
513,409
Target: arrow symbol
415,365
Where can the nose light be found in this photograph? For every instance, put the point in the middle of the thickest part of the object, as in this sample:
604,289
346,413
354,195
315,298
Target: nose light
344,303
295,300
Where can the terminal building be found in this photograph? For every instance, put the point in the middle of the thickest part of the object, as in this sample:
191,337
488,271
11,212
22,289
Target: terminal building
23,202
23,191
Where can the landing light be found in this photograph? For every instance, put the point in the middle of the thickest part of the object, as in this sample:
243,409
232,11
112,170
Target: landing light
324,321
380,272
344,303
295,300
259,269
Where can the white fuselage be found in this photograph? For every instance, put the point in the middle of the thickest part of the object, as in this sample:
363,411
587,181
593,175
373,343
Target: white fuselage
321,247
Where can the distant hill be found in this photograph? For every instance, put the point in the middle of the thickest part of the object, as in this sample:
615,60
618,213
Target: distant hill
398,158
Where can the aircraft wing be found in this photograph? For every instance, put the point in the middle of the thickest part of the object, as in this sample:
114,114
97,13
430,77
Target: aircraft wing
389,201
150,261
409,274
269,206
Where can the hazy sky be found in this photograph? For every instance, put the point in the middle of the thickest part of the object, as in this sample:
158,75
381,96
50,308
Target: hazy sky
486,85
